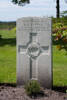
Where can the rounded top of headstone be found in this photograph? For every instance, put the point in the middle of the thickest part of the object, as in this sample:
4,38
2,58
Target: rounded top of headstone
33,18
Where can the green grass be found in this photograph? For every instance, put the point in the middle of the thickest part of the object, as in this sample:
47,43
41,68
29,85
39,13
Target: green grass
8,60
7,56
59,67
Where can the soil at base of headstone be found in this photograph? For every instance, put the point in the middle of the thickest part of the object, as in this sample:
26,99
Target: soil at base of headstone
8,92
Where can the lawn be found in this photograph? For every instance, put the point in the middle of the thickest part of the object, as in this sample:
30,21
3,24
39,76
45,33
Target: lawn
8,60
59,67
7,56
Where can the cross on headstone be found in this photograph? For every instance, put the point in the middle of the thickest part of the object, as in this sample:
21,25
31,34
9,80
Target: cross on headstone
34,51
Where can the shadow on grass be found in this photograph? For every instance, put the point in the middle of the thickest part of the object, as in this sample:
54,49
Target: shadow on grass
7,41
62,89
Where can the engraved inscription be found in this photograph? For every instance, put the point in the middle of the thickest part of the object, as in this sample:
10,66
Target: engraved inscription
34,50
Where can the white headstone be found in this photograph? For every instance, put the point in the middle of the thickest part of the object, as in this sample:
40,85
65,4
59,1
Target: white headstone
34,60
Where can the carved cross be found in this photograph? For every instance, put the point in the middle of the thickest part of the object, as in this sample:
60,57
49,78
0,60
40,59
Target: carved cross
33,50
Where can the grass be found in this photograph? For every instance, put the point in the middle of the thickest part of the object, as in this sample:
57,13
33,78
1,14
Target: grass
8,60
7,57
59,67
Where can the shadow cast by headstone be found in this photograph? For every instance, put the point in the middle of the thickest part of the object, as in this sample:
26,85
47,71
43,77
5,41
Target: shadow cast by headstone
60,88
8,84
7,41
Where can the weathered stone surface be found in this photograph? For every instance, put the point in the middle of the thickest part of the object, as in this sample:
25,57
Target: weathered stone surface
34,59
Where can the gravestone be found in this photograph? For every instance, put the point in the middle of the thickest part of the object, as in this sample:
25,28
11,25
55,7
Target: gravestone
34,50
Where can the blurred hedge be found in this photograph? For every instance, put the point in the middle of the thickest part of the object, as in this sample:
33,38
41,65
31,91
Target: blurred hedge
7,25
62,20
